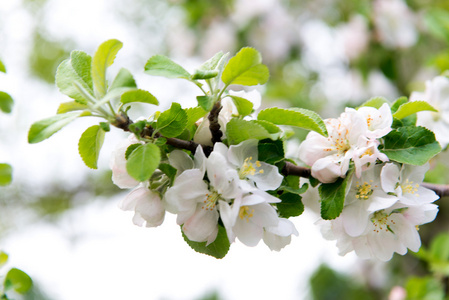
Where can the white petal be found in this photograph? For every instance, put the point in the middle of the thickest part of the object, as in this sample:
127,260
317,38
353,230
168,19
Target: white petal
238,153
355,218
269,179
201,225
389,177
326,170
180,160
248,233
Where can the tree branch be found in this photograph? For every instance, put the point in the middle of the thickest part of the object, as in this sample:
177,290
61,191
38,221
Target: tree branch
291,169
214,126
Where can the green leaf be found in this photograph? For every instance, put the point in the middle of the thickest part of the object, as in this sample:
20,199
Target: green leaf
291,184
130,150
244,106
424,288
209,69
160,65
270,127
90,144
2,67
18,281
143,161
412,107
6,102
103,58
245,68
218,248
238,130
204,74
439,249
291,205
270,151
45,128
5,174
397,103
375,102
411,145
299,117
124,78
138,96
168,170
3,258
194,114
205,102
333,198
172,122
70,106
76,69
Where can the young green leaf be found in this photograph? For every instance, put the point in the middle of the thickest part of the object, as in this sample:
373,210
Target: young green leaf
172,122
290,206
298,117
194,114
6,102
244,106
218,248
124,78
333,198
18,281
160,65
143,161
138,96
397,103
103,58
130,149
45,128
76,69
271,151
90,144
411,145
70,106
5,174
375,102
238,130
245,68
209,69
412,107
206,102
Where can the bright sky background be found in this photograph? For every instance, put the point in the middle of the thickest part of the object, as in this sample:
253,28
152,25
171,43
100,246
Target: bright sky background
96,252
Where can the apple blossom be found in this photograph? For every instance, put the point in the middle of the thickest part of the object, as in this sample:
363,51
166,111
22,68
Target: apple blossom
147,205
120,176
277,237
406,184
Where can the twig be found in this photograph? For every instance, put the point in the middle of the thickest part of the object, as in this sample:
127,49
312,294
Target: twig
214,126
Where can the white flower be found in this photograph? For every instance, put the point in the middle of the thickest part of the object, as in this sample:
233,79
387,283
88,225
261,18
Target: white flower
354,36
394,23
277,237
437,95
364,197
248,216
120,176
147,205
244,157
194,200
351,138
406,182
390,230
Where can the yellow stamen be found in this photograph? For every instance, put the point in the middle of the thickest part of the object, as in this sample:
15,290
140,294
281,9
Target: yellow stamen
246,213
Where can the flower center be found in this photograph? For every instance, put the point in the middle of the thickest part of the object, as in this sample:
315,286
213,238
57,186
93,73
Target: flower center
211,201
246,213
364,190
382,222
249,168
409,188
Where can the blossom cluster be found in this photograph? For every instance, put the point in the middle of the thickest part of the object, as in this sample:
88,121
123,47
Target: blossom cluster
229,186
385,202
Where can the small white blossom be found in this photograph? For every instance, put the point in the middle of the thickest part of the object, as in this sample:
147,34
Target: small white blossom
120,176
277,237
406,184
147,205
248,216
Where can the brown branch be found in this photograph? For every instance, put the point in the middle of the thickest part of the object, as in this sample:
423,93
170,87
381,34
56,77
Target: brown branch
122,121
214,126
291,169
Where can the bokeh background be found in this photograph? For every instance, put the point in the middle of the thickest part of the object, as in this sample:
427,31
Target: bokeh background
59,220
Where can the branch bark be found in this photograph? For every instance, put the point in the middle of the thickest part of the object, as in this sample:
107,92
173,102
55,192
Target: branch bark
214,126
